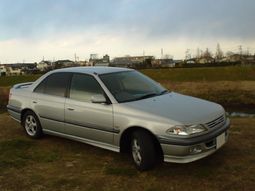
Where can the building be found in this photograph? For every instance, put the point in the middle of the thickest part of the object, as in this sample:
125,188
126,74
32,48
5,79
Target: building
44,66
133,61
163,63
3,71
205,60
14,71
94,61
63,64
244,59
19,68
248,59
234,58
82,63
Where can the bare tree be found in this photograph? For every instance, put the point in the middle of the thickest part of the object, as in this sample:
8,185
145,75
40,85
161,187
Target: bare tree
187,54
207,54
219,53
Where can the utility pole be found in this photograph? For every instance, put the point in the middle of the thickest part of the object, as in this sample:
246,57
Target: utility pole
219,52
248,51
75,57
187,54
240,48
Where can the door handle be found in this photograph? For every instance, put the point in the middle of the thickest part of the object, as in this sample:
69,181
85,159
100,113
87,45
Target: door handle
70,109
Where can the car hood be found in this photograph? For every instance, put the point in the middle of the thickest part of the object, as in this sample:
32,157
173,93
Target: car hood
177,107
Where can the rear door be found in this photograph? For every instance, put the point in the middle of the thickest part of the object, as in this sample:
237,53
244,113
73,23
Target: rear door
49,100
86,119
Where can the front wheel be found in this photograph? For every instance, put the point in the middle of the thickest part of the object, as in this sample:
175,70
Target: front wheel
31,124
143,150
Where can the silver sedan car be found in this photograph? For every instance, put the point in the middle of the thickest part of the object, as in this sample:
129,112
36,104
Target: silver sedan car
121,110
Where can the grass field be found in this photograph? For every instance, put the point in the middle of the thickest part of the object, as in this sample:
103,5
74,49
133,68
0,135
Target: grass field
233,87
53,163
232,73
7,81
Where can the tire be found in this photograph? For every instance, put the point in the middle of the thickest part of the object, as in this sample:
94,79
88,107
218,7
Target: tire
31,125
143,150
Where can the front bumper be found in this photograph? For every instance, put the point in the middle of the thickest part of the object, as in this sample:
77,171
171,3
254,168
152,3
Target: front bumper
184,150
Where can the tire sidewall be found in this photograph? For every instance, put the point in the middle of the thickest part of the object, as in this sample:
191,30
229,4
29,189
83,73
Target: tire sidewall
147,150
38,133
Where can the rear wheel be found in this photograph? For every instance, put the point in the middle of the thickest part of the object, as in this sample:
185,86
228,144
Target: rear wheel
31,124
143,150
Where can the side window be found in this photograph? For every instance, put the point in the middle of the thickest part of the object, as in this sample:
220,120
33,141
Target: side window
55,84
83,87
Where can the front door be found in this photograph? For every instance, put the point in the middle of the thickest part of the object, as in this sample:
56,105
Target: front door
83,118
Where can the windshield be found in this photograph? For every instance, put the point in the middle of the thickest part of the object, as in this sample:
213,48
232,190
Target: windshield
131,85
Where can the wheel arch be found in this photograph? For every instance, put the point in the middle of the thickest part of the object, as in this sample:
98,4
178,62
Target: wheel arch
24,111
125,139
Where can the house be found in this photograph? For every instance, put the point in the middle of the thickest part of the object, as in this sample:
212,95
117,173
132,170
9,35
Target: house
14,71
191,61
133,61
19,68
234,58
44,66
163,63
82,63
122,62
105,61
63,64
248,59
3,71
244,59
205,60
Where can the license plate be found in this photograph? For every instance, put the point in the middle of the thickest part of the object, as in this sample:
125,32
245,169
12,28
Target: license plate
220,140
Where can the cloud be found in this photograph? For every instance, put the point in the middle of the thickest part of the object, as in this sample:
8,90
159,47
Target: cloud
33,28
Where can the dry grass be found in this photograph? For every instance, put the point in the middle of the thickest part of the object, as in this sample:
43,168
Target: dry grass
229,73
233,86
233,95
238,95
53,163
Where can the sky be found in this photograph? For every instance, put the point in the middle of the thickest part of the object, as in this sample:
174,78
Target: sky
31,30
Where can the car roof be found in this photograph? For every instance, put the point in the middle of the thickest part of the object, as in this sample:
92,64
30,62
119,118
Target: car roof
92,70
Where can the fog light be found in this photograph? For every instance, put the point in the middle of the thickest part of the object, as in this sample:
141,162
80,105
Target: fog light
195,149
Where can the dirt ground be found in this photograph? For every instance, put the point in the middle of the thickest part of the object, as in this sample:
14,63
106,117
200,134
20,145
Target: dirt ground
53,163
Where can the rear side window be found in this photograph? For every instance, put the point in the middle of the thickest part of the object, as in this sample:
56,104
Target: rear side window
83,87
55,84
40,87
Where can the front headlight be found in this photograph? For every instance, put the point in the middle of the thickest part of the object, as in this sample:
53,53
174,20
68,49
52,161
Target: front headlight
186,130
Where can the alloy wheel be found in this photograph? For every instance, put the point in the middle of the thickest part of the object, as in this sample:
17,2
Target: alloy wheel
30,125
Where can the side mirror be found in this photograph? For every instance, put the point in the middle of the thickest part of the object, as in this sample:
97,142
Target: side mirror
98,98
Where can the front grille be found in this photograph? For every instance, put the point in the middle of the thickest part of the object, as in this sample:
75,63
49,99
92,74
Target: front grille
216,122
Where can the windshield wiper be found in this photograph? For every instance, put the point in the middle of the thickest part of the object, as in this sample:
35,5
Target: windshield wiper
163,92
147,96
